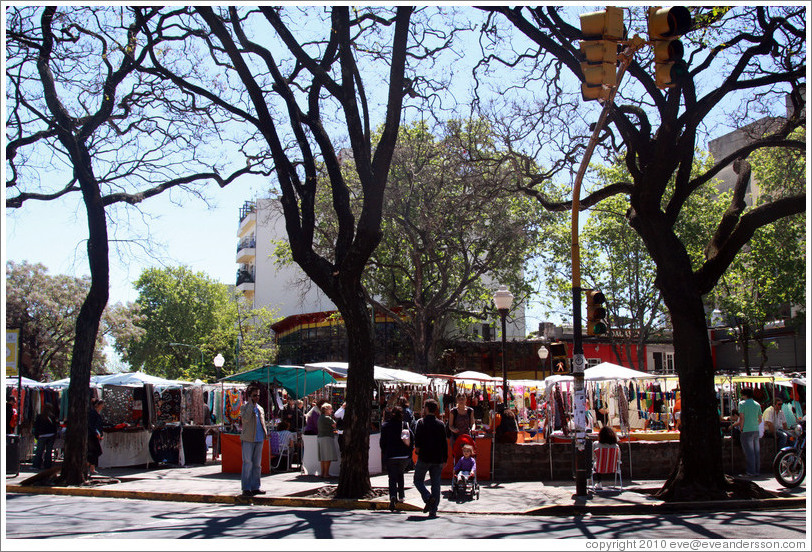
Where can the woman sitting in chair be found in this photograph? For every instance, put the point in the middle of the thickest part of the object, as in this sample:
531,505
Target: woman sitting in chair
286,437
606,439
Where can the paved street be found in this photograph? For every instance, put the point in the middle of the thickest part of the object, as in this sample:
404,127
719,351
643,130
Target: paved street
73,517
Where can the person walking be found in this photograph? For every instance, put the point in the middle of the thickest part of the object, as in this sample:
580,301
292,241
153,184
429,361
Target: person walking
45,430
431,446
749,419
395,453
252,438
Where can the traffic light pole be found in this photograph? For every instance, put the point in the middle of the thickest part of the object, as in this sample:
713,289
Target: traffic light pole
582,460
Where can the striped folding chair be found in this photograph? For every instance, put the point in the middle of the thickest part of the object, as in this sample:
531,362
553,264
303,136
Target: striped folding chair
605,461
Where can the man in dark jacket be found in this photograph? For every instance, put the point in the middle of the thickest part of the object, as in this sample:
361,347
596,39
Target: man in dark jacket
293,415
431,446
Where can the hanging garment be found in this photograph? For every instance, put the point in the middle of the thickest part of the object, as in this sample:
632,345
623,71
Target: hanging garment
118,404
165,445
168,405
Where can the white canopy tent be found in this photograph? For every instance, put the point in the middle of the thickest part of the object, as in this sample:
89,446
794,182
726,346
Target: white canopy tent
125,379
12,381
601,372
381,374
471,375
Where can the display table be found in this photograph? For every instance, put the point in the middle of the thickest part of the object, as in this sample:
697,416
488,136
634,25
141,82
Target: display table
231,452
310,456
121,449
663,435
635,435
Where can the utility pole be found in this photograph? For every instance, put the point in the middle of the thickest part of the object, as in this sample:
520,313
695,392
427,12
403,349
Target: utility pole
606,26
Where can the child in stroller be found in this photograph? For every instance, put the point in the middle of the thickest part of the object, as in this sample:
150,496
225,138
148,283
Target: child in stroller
463,480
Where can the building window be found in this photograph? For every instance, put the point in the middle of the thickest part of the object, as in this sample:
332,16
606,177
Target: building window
663,363
590,362
669,363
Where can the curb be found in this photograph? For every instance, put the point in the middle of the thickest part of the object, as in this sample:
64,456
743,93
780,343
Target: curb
361,504
237,500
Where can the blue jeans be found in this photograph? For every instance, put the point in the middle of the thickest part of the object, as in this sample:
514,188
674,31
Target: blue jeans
44,452
752,451
434,471
394,469
251,465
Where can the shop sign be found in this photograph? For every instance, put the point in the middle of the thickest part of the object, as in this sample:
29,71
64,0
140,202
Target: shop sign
12,352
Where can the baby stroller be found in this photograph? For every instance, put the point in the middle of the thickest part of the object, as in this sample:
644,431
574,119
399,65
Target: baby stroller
464,486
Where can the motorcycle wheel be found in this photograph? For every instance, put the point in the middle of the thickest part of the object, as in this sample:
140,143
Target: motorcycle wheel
789,468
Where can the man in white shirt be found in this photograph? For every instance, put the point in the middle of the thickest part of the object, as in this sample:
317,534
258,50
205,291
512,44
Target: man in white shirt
775,423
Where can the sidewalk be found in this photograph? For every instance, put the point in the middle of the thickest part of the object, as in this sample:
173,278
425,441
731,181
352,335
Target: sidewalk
207,484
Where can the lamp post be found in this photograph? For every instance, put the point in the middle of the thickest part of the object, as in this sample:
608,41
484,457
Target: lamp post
503,299
219,360
544,353
202,362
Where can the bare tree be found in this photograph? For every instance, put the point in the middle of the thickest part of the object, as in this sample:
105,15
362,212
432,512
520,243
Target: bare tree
744,62
81,119
300,78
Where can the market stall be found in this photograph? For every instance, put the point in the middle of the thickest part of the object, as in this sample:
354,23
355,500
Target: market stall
612,392
297,381
390,385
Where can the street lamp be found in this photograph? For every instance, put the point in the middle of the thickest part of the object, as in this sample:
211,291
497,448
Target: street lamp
218,363
544,352
503,299
202,362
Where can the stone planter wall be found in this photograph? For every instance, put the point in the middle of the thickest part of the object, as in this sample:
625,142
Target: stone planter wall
648,460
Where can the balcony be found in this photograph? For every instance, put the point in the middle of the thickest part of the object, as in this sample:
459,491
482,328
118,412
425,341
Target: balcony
245,280
246,250
248,218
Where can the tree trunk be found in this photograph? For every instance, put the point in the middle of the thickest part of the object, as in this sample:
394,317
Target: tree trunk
353,481
744,343
420,345
699,473
87,328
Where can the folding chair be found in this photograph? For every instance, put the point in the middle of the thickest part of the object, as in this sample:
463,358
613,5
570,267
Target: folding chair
279,451
605,461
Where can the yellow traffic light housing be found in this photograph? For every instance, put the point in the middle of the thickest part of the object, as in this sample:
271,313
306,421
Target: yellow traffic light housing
664,26
595,313
601,31
558,352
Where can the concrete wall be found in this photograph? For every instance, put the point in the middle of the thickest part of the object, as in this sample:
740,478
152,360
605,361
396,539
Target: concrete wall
648,460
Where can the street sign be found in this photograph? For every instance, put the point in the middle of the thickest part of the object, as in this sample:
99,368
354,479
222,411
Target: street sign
578,361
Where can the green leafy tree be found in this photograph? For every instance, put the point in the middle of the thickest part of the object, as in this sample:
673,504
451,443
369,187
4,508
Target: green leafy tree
449,232
257,346
176,305
44,308
767,278
203,318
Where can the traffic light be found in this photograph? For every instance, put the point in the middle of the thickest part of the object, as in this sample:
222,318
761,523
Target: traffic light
558,352
601,31
595,313
664,26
